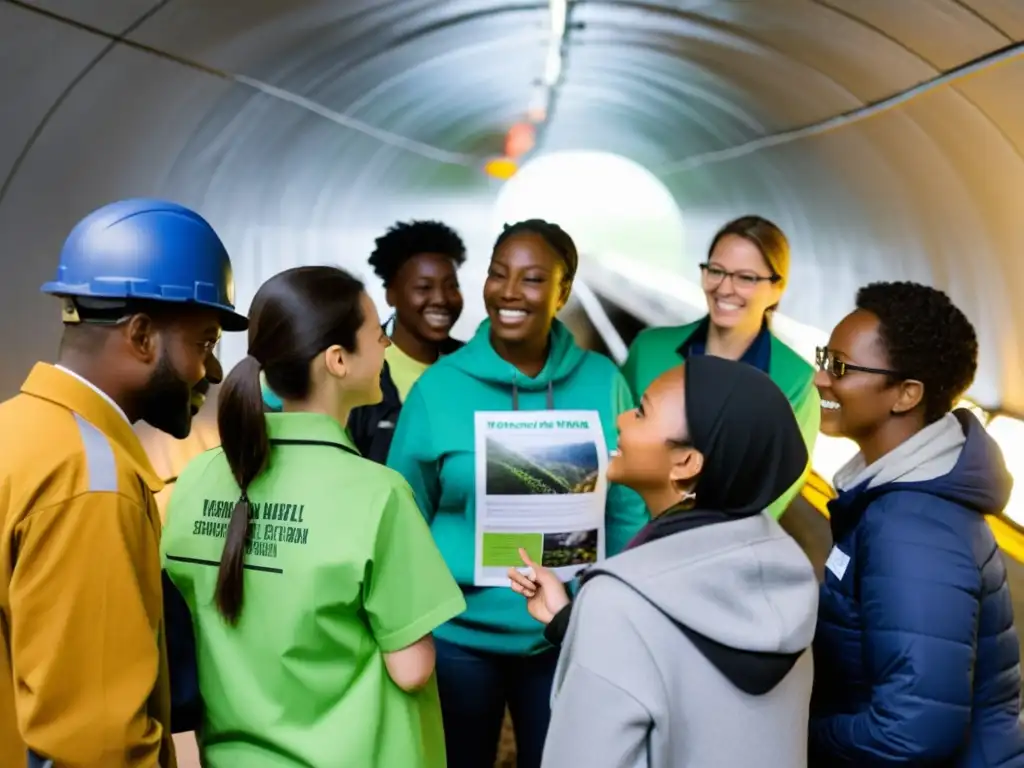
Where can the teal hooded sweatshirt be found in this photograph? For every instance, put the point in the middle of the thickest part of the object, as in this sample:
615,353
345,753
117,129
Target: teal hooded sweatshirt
433,449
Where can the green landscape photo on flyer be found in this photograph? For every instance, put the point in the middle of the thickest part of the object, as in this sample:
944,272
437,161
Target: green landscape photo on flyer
523,467
570,548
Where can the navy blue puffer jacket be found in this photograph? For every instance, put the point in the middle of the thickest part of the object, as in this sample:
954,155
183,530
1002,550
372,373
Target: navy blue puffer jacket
917,660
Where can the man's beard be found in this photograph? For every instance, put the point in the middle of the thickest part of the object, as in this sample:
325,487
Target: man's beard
167,401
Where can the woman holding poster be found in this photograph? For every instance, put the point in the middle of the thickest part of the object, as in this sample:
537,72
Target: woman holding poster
505,443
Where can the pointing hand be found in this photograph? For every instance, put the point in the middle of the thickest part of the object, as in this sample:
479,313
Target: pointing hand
544,592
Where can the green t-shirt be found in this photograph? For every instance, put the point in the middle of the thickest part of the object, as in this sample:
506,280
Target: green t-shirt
341,568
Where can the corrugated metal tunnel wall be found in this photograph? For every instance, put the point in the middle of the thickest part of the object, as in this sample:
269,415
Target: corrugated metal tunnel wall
887,138
303,128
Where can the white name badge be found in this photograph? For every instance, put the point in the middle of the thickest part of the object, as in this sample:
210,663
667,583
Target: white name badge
837,562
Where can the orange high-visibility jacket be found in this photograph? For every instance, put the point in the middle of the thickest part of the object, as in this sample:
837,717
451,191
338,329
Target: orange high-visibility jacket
83,665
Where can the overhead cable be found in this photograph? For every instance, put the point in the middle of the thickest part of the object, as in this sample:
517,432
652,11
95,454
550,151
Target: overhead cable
994,58
387,137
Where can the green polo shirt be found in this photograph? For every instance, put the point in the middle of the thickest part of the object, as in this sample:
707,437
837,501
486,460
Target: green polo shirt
656,350
341,568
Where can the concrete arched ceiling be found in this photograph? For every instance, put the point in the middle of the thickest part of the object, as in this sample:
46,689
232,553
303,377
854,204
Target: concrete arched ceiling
264,114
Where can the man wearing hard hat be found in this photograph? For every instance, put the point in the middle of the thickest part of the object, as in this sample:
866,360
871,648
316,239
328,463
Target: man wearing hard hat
146,289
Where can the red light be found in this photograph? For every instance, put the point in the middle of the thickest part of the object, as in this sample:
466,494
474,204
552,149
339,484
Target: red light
520,140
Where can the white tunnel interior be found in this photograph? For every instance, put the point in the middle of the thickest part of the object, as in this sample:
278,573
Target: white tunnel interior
886,138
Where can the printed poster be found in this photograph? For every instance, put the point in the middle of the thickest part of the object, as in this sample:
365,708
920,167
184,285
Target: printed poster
540,485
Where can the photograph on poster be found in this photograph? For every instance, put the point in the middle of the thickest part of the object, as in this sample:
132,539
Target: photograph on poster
522,466
540,487
569,548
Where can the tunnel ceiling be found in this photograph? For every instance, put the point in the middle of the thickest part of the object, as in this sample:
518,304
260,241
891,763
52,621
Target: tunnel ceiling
351,113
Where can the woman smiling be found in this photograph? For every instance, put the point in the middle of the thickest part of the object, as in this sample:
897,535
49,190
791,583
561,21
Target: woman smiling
743,280
691,647
916,652
522,359
417,262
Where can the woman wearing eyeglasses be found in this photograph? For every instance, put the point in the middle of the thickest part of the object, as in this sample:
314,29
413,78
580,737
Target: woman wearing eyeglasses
916,656
743,281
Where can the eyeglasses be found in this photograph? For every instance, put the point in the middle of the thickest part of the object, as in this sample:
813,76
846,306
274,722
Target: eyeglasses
714,275
826,361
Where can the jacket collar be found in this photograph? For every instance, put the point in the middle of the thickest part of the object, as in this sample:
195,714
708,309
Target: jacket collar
307,427
676,520
47,382
758,354
95,389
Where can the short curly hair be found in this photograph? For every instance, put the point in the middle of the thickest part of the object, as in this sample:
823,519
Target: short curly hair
410,238
927,338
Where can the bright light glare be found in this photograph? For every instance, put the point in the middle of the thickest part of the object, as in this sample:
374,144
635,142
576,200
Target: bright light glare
831,454
553,67
537,111
981,414
1009,434
607,203
559,10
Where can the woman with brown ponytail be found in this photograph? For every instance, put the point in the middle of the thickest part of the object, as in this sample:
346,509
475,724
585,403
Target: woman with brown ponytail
744,279
312,578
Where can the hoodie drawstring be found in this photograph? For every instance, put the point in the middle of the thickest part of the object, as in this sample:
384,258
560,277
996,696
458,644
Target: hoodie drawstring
550,396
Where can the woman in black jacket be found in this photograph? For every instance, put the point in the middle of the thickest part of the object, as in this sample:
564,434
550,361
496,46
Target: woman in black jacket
418,262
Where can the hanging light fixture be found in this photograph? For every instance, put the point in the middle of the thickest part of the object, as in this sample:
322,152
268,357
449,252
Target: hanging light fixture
553,64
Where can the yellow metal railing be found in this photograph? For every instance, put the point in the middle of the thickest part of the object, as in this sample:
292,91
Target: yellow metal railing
1010,538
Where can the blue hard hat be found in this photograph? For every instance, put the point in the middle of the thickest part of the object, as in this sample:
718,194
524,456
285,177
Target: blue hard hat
152,250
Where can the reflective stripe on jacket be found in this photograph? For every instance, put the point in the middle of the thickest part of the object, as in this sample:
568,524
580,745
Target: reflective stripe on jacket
83,670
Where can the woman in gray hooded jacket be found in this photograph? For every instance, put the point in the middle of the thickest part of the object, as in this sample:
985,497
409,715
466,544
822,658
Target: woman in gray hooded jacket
692,647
